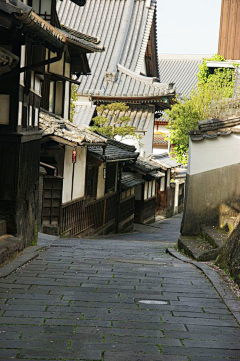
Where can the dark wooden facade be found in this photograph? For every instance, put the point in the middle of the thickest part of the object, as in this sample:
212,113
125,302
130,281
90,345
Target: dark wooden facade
229,35
145,211
81,216
20,97
151,56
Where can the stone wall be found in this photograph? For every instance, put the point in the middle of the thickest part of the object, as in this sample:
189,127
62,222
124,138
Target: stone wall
205,192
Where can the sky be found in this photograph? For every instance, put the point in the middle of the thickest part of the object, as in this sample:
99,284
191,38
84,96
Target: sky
188,26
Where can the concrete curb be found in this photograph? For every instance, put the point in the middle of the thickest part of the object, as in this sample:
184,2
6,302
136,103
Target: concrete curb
228,297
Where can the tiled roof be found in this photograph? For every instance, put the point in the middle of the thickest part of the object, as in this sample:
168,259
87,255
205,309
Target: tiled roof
140,115
37,26
115,150
113,153
77,34
82,40
213,128
180,70
159,139
124,27
83,114
157,174
145,165
55,126
130,180
165,161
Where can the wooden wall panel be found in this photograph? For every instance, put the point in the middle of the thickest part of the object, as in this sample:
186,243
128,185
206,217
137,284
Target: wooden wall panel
229,34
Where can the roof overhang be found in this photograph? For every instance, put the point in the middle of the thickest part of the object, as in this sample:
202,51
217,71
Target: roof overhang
164,102
72,144
24,18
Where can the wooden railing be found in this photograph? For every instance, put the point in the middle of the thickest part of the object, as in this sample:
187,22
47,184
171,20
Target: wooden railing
79,216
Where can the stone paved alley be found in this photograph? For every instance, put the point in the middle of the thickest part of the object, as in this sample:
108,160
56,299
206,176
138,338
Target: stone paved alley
79,300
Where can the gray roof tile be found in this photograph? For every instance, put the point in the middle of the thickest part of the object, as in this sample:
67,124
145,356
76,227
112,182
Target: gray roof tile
124,28
181,70
130,180
53,125
213,128
140,116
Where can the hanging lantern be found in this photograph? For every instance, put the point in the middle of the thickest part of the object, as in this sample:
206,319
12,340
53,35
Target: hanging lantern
74,156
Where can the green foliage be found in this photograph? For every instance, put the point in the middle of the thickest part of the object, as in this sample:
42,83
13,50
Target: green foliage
35,242
119,124
73,100
209,100
221,77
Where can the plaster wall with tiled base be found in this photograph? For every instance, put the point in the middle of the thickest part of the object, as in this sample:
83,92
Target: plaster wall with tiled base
213,178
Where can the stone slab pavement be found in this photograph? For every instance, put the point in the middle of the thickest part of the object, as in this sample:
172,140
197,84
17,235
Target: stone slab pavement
85,299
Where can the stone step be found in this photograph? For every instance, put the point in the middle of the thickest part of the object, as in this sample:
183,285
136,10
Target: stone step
9,246
3,227
215,236
197,248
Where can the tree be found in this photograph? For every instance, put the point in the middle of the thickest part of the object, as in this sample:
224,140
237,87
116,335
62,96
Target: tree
209,100
118,125
73,100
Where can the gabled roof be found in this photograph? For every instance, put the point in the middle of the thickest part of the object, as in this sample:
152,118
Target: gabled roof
181,70
124,27
57,128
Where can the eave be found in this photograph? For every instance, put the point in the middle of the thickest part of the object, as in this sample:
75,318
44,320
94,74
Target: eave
163,101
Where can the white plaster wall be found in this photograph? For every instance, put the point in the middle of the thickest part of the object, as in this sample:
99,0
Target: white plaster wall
146,142
161,128
157,151
210,154
147,139
67,175
80,173
101,182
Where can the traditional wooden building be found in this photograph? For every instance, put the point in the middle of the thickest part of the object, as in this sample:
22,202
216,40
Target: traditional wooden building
38,58
24,39
128,69
147,172
170,190
82,189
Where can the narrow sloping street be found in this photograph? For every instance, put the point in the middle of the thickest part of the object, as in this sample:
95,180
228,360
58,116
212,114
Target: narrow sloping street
81,299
